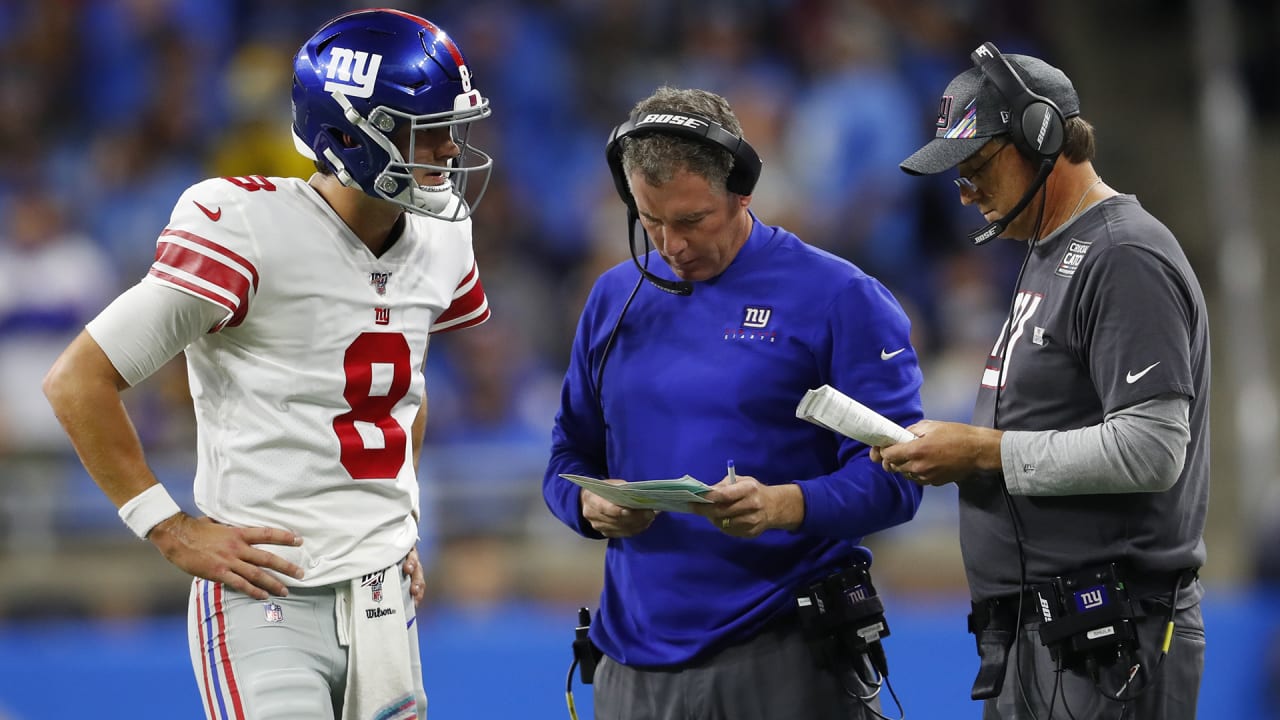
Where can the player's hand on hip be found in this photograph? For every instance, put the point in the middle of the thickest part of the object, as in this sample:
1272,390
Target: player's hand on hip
225,554
614,521
412,569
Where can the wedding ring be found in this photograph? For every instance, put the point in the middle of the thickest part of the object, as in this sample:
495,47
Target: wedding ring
724,523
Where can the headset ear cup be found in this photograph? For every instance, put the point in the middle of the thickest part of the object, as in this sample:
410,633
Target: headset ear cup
1042,130
1036,126
613,155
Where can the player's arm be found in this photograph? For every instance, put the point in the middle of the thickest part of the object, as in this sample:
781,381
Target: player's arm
146,327
419,430
84,389
412,566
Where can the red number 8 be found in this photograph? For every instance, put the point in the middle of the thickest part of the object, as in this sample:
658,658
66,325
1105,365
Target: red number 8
365,463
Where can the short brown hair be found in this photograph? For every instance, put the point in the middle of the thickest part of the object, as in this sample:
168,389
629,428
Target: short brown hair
1078,145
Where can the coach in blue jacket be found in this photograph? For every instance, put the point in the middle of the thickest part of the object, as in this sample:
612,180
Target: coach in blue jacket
704,363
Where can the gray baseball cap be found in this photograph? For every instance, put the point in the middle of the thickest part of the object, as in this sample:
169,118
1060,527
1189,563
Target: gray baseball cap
972,111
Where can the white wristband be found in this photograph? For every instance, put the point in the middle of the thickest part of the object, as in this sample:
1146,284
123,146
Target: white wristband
147,509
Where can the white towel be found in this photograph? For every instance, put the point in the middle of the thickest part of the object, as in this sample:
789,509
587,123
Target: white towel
372,622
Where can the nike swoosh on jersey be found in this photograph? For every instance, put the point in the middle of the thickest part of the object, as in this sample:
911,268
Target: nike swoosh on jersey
885,354
1132,378
214,215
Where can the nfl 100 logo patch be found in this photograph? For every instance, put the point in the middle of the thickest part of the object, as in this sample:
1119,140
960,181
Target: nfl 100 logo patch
379,281
373,581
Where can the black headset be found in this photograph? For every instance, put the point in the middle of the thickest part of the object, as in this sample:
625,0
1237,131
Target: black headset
1036,128
1036,125
746,163
698,128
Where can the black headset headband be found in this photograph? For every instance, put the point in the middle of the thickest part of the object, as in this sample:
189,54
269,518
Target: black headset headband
1035,124
746,163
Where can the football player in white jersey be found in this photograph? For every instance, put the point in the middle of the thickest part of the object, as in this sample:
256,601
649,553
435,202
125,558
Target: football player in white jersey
304,309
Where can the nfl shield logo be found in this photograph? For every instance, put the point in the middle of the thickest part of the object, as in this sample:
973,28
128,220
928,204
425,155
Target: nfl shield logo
374,583
379,281
274,613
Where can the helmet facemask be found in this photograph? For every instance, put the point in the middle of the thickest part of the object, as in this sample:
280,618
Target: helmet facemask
396,182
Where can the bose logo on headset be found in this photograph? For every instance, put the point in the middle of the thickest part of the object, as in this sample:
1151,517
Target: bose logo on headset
1044,128
669,119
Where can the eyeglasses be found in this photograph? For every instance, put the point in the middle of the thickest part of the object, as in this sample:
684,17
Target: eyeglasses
968,182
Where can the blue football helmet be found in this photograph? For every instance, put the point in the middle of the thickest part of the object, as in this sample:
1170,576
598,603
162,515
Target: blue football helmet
367,76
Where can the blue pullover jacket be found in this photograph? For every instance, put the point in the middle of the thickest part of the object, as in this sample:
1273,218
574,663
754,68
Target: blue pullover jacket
692,382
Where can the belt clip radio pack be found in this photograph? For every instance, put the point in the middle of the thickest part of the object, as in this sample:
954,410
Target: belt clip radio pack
585,657
842,619
1088,617
585,652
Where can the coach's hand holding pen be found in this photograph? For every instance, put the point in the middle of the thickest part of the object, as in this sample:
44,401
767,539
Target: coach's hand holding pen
744,507
733,480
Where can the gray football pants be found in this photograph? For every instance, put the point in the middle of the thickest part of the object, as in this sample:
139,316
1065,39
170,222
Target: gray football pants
277,659
770,677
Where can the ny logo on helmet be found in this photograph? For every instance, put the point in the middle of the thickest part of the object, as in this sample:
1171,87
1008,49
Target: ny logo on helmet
352,72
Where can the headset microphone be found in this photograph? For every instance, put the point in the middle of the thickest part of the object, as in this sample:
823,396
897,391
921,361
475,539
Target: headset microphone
984,234
1036,129
682,288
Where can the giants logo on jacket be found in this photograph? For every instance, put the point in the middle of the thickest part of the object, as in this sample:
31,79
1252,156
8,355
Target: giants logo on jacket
755,318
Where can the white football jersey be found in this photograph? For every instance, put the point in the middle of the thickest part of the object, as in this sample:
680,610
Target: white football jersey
306,392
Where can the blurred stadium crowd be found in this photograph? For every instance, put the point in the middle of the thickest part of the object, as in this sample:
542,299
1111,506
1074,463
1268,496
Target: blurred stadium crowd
110,108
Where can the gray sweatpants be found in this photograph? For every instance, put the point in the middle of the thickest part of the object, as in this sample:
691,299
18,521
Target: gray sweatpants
1172,695
277,659
771,677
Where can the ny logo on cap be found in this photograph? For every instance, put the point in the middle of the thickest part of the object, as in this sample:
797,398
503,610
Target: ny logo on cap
944,110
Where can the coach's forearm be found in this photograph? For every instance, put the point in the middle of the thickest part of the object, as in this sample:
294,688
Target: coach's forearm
1140,448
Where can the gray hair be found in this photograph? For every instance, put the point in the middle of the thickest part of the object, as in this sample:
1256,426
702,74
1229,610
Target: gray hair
660,156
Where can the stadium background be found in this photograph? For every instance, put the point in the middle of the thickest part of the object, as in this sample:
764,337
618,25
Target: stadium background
109,108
